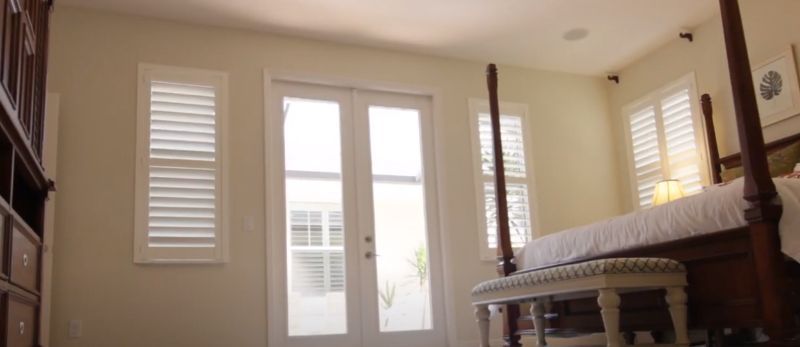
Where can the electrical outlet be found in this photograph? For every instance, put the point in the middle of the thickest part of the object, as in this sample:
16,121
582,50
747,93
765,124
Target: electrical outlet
75,328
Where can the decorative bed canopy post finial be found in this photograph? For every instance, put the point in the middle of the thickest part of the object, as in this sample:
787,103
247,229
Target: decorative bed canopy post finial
504,248
505,253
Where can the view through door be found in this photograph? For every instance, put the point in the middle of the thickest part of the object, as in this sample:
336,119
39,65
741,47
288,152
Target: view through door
355,236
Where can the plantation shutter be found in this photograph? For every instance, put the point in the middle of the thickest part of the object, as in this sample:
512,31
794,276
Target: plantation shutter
646,153
681,141
317,251
182,159
513,145
665,142
511,133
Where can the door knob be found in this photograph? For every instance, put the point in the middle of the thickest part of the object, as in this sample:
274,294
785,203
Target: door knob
370,255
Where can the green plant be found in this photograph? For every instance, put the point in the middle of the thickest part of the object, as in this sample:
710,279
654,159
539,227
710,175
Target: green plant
420,264
387,295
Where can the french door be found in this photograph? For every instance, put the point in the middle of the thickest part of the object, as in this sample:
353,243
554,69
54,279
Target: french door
353,244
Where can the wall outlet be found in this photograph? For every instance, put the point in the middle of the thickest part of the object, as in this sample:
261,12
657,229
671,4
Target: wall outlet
75,328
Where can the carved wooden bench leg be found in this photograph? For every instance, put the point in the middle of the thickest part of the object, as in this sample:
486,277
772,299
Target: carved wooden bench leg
537,311
609,308
676,298
482,317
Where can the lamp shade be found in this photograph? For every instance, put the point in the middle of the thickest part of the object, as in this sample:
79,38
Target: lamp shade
666,191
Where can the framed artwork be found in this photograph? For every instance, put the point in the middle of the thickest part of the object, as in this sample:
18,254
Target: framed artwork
777,90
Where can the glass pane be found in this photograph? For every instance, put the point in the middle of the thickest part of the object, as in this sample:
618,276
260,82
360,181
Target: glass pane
315,226
404,295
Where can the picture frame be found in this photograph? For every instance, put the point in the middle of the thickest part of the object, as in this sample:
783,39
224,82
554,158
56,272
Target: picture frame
777,90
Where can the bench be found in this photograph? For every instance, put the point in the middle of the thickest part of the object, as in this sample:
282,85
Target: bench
606,278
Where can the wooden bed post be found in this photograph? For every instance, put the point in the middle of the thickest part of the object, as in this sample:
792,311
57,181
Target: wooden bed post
711,138
505,252
759,189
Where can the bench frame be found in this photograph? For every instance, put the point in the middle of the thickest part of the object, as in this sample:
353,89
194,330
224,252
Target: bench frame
607,286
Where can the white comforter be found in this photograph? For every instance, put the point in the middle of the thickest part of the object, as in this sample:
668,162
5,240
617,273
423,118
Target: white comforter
718,208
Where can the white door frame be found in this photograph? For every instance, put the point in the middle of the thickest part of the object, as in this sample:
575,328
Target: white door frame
275,203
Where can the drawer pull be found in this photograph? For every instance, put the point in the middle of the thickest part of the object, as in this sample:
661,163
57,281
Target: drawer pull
22,328
25,260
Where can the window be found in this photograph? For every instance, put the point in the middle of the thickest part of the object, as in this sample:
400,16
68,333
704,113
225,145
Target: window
180,169
666,140
317,250
513,127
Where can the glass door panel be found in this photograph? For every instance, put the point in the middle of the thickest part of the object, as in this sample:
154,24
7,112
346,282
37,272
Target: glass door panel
315,230
403,280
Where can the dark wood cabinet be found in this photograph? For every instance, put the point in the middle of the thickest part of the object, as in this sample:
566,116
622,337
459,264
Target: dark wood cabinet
21,327
24,31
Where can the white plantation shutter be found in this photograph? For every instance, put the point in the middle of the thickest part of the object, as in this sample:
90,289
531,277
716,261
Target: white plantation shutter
179,197
646,153
681,141
513,145
512,132
665,143
317,251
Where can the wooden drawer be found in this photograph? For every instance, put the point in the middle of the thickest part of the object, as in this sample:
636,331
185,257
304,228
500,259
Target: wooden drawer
20,323
4,221
24,263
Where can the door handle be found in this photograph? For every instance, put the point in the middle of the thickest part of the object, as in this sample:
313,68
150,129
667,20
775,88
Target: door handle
370,255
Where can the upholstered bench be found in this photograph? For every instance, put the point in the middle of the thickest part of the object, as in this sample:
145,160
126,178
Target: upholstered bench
606,277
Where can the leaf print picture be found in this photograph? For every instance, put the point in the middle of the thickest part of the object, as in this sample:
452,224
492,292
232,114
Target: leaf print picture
778,93
771,85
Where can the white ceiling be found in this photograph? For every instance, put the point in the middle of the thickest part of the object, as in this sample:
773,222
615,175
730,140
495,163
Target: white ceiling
524,33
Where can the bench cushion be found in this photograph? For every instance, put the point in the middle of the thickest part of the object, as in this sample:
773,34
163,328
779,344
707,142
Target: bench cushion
591,268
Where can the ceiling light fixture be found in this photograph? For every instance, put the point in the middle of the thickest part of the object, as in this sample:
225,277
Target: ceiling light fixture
576,34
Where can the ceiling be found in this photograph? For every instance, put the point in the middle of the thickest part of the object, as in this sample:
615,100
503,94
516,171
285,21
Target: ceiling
527,33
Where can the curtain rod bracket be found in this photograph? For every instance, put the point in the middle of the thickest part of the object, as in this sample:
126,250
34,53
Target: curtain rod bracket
613,77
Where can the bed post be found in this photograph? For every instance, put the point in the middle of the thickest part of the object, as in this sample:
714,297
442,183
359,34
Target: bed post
505,253
711,137
759,190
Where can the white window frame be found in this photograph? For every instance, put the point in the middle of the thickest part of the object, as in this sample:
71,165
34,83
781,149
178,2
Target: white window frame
476,107
143,254
654,99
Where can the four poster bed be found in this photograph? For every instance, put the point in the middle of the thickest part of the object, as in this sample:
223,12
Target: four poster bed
738,277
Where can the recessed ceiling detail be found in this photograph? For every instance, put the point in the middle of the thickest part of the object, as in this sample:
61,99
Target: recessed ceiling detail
541,34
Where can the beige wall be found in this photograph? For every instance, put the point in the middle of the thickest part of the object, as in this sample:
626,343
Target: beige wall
770,26
94,61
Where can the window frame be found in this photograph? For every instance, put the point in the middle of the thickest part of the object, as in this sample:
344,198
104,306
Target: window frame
142,253
654,99
476,107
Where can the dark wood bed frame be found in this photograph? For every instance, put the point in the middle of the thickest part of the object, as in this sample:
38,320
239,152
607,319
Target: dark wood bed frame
738,278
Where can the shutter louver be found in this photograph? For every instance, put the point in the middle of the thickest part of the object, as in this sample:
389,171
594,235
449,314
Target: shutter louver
646,153
183,188
681,142
182,121
518,214
317,252
513,145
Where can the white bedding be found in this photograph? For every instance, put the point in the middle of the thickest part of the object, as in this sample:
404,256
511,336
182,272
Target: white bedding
718,208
